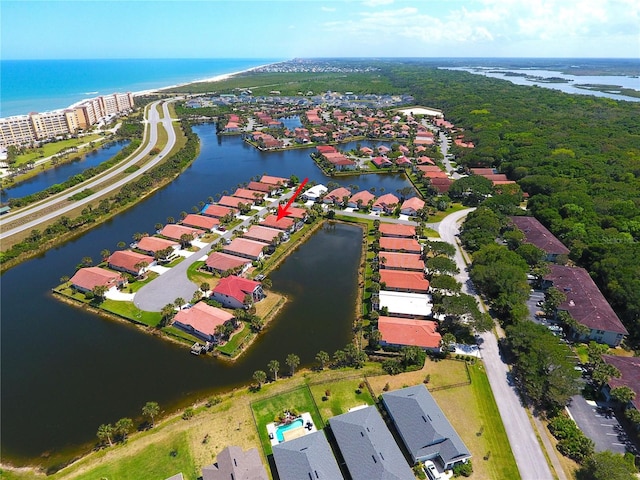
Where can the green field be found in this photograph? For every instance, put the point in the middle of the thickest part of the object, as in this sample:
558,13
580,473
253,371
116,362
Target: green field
53,148
232,347
343,395
130,311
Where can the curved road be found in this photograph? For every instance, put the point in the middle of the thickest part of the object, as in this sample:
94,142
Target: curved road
527,451
153,121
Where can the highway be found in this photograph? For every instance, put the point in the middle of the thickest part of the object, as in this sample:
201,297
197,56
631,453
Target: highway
151,129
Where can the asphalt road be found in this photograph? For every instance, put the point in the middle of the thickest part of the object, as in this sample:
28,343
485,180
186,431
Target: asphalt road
524,444
153,121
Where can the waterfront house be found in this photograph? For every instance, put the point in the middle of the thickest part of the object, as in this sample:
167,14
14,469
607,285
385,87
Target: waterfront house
233,202
363,197
483,171
401,332
218,211
406,305
314,193
175,232
250,195
151,245
402,281
406,245
86,279
263,188
629,368
381,162
306,457
403,162
424,160
245,248
411,206
285,224
264,234
367,446
201,321
233,291
397,230
130,262
441,184
336,196
400,261
423,427
537,234
297,213
432,171
324,149
219,262
386,203
586,305
277,181
234,463
201,222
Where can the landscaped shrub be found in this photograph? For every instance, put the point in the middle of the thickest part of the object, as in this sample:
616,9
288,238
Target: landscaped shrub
464,469
572,442
187,414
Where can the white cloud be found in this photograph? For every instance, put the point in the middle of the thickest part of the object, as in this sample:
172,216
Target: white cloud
376,3
328,9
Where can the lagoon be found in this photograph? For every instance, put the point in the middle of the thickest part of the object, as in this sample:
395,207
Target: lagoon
65,370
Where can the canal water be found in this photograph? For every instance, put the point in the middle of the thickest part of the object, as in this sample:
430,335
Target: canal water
65,371
61,173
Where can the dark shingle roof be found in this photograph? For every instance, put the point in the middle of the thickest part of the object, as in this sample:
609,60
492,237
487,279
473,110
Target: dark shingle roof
306,458
422,425
234,463
368,447
629,368
537,234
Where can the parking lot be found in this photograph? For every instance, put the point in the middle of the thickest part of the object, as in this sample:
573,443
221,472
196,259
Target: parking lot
599,424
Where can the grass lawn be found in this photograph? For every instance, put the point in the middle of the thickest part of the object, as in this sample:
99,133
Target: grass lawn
265,411
232,347
343,397
53,148
130,311
157,460
439,216
474,414
265,306
430,233
138,284
199,277
582,352
175,262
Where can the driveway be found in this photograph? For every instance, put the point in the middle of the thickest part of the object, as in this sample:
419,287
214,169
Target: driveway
524,444
601,427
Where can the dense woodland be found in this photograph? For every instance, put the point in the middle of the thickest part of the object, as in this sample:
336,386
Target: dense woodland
577,156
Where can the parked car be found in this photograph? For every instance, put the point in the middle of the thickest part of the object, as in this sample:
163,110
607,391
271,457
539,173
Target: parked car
432,471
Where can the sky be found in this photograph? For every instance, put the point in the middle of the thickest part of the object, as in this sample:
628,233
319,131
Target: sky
55,29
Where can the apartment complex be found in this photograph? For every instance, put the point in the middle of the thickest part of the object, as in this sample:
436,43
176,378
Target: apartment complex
37,127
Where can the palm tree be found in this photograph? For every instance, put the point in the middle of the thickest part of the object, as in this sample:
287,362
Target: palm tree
167,312
183,214
158,226
123,427
266,283
99,291
260,377
105,431
205,287
274,367
292,361
121,244
86,261
185,240
322,358
151,410
171,220
105,254
179,302
141,267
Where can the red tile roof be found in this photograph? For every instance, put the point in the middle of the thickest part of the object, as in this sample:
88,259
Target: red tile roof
326,149
153,244
363,195
537,234
262,234
174,231
295,212
397,230
228,201
337,195
273,222
388,200
127,260
250,195
409,245
584,302
260,187
403,331
223,261
483,171
629,368
236,287
274,180
406,281
90,277
203,318
401,261
200,221
218,211
244,246
413,203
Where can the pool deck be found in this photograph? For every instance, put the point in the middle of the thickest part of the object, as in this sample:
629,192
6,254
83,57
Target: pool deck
272,430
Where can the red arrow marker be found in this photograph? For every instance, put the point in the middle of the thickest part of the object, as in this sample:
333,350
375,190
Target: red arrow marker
283,212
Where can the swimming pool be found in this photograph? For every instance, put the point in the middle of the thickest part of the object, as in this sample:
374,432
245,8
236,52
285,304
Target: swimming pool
297,423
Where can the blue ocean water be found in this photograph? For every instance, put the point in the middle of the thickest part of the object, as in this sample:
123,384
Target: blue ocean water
42,85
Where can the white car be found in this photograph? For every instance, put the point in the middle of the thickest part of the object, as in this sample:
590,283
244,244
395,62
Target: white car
432,471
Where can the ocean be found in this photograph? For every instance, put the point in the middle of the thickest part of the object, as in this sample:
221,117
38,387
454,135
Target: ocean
43,85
